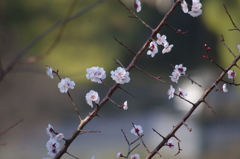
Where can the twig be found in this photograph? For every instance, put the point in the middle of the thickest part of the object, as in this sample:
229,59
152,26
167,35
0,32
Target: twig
223,41
9,128
157,78
125,137
127,92
231,83
179,31
209,107
119,63
121,43
179,149
135,15
69,95
71,155
188,77
189,129
158,133
236,28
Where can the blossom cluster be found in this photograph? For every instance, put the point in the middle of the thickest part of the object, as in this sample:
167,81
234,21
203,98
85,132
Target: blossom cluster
161,40
177,72
171,92
53,144
195,8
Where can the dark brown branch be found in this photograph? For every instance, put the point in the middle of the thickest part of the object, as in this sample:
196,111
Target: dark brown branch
116,85
194,107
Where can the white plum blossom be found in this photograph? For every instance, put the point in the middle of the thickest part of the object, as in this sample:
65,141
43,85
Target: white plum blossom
137,130
195,13
93,157
125,105
153,49
224,88
196,8
49,72
182,93
170,144
167,48
96,74
171,92
50,130
231,74
137,5
180,68
65,84
184,6
238,46
59,136
92,96
120,75
135,156
161,39
119,155
52,147
175,76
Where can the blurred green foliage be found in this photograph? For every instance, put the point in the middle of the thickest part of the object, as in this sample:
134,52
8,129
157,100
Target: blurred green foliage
218,22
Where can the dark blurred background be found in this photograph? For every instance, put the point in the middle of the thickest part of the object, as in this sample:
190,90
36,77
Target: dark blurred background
28,93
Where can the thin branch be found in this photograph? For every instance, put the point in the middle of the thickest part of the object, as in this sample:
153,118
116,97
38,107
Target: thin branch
125,137
188,77
121,43
9,128
119,63
157,78
179,31
209,107
231,83
135,15
74,105
133,148
90,131
71,155
127,92
189,129
158,133
114,102
223,41
236,28
183,98
69,95
179,149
